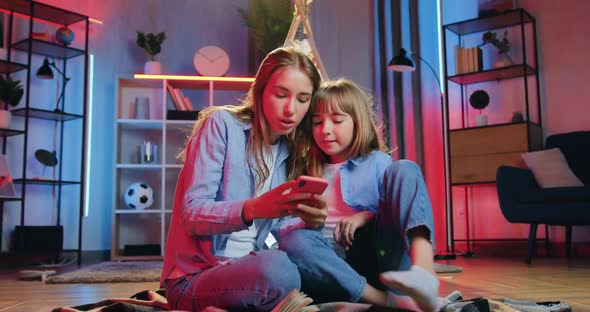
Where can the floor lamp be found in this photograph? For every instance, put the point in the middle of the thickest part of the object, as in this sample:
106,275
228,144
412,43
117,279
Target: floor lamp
403,63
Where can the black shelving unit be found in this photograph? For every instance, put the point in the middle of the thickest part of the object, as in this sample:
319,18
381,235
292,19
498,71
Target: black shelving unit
35,12
528,131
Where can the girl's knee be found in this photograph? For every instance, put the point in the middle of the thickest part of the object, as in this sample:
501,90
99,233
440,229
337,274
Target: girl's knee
403,170
292,241
277,271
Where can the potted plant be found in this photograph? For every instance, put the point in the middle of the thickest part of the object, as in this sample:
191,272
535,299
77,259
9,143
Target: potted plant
11,92
152,45
503,46
480,100
268,23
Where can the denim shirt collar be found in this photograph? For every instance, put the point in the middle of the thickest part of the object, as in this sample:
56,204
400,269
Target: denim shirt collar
355,162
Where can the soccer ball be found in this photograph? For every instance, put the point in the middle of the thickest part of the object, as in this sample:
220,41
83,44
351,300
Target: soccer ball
139,196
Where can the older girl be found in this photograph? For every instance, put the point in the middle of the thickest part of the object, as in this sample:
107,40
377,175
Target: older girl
231,190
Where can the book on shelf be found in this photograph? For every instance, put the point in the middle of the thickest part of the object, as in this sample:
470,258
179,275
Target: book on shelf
458,57
468,60
296,301
178,103
188,104
180,98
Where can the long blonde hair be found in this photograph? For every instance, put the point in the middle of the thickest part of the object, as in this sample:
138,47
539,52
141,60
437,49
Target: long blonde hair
251,111
345,96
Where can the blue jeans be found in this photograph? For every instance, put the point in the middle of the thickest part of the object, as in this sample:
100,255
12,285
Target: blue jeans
256,282
405,205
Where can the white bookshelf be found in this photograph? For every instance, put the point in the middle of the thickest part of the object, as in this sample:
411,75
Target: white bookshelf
149,227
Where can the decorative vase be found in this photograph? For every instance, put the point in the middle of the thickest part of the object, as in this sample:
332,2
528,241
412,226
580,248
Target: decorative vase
503,61
481,120
152,68
5,119
517,117
142,107
148,153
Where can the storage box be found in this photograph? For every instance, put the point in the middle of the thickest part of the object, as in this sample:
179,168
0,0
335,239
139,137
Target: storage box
37,239
182,115
142,250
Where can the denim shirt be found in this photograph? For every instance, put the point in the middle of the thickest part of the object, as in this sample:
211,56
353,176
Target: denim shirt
212,186
361,180
361,184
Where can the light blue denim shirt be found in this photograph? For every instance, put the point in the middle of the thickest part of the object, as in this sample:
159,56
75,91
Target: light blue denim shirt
361,180
212,186
361,184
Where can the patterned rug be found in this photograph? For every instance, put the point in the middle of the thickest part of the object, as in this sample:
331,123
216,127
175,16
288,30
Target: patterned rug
146,271
112,272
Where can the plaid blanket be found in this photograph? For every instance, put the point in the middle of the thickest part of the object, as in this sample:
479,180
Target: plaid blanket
149,301
145,301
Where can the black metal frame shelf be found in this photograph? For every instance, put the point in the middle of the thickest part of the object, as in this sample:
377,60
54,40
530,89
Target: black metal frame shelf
512,18
494,125
45,182
7,67
33,12
10,132
3,199
506,19
45,114
47,48
42,11
508,72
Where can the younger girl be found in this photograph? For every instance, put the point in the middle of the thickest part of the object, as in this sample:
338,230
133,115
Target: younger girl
366,188
231,192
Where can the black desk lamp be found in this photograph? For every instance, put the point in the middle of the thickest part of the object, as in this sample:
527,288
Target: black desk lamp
45,72
403,63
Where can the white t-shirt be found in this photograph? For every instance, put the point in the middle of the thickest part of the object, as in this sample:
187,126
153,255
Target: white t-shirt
243,242
337,208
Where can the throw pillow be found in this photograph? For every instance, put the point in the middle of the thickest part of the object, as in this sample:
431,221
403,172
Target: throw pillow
550,168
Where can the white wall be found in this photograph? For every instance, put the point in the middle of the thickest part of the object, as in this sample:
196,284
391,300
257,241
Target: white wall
562,29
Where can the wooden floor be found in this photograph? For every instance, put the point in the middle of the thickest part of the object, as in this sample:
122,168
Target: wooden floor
546,279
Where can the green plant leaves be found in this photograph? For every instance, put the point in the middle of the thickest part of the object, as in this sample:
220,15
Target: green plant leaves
11,91
268,22
151,43
502,45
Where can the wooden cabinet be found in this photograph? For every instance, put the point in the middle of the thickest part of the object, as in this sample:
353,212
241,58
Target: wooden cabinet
476,153
140,234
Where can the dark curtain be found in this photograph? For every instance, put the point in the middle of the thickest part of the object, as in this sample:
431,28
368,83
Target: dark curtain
401,112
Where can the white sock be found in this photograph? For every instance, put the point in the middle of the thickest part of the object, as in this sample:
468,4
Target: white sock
418,283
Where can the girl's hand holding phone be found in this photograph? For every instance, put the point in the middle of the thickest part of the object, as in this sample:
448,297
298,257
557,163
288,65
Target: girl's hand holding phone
287,199
312,211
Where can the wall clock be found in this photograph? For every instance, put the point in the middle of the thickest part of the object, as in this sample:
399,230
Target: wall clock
211,61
